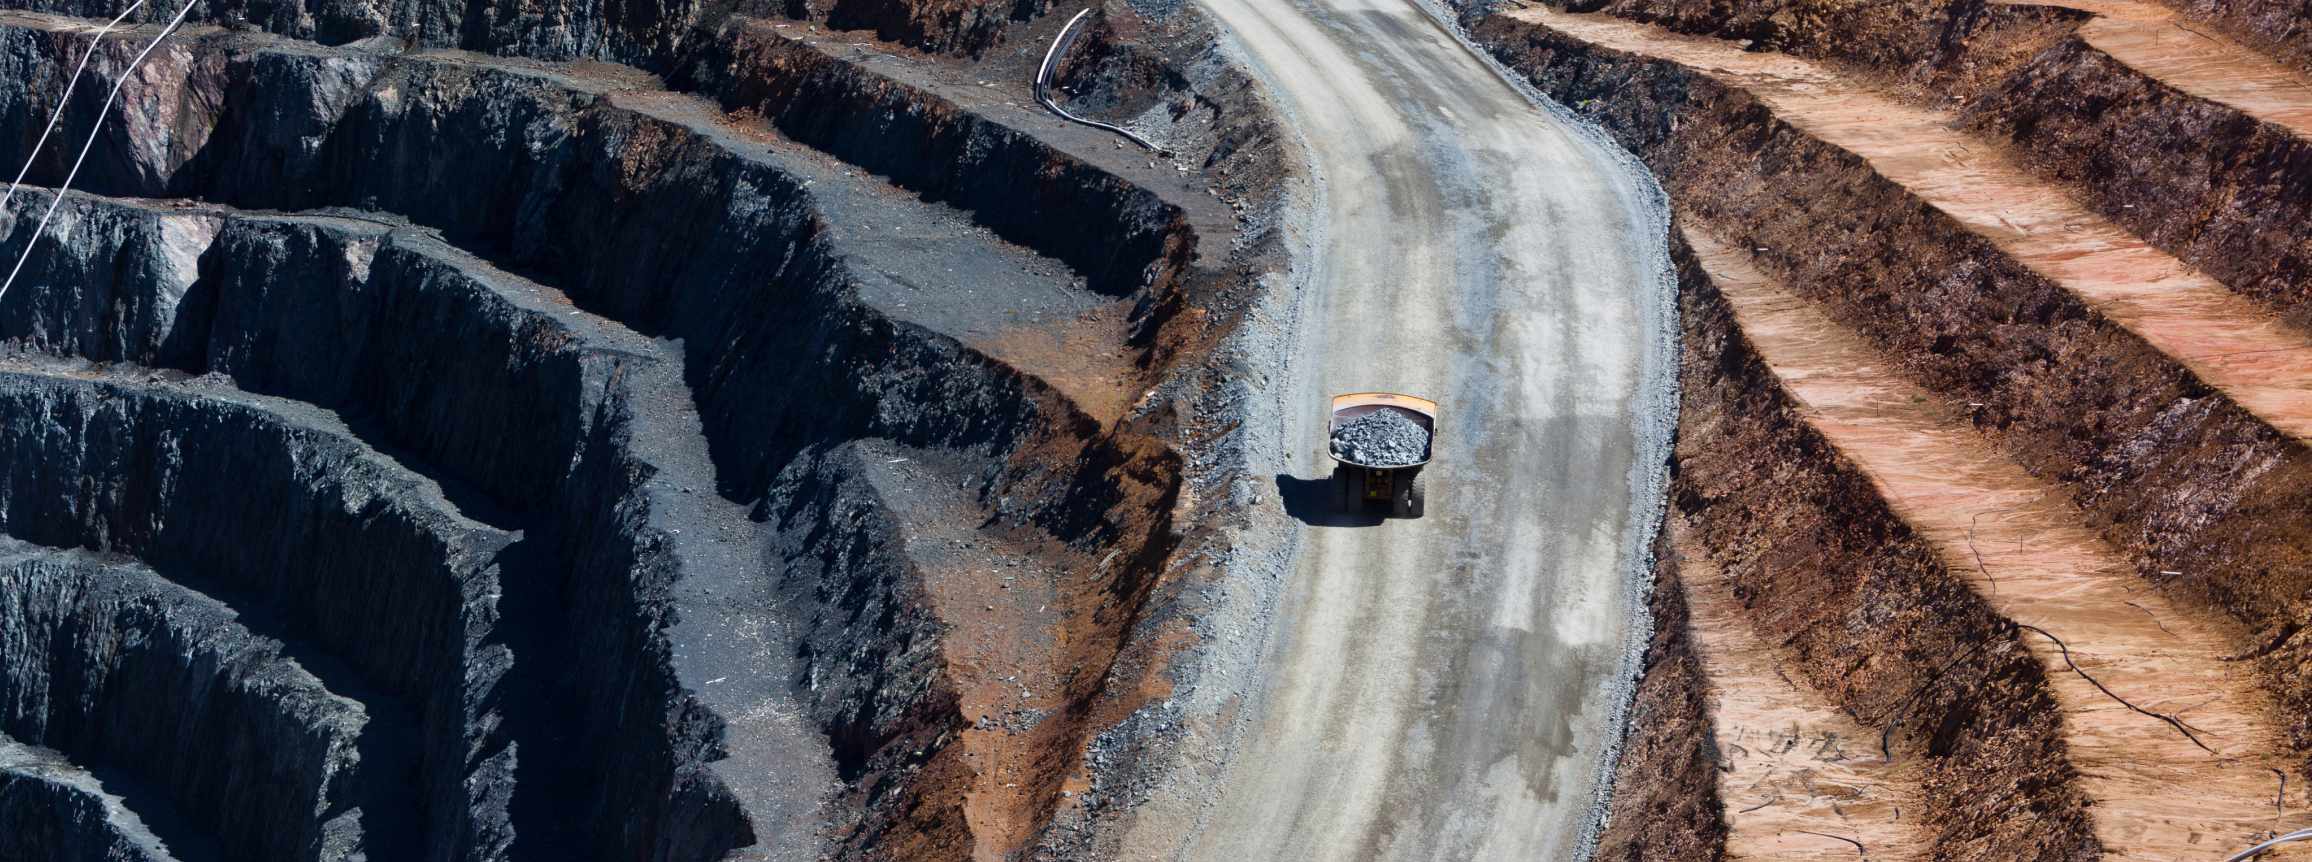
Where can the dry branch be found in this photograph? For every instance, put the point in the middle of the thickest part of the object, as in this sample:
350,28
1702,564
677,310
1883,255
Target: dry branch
1986,570
1858,848
2172,721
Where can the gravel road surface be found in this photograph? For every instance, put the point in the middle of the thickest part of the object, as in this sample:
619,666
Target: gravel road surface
1447,687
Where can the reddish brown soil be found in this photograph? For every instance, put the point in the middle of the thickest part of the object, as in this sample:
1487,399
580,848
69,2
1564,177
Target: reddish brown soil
2158,792
1800,779
2188,139
2282,28
1034,628
1862,609
1666,803
2198,493
2193,142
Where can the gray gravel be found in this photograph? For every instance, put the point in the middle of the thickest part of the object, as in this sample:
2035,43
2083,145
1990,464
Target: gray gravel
1387,437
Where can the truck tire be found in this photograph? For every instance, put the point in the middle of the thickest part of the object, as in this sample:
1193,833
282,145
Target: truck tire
1345,496
1415,501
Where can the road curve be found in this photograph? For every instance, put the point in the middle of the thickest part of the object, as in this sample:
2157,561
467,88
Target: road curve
1447,688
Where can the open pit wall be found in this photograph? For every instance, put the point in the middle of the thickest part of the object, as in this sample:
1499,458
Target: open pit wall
538,159
1970,320
2186,471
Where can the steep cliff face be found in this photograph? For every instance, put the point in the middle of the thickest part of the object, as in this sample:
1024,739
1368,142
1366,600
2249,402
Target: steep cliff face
630,31
702,635
99,461
51,808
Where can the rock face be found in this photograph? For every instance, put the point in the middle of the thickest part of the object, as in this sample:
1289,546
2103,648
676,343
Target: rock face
98,464
660,609
52,809
630,31
255,747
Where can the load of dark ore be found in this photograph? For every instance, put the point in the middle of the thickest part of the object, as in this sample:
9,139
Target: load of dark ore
1383,438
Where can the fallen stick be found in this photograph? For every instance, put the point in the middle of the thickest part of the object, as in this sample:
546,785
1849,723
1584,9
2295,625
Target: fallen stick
1986,570
1894,717
2154,617
2172,721
1858,848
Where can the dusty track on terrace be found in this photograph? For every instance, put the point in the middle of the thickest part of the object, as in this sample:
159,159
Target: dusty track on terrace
2157,794
2192,58
1447,688
1799,777
2225,339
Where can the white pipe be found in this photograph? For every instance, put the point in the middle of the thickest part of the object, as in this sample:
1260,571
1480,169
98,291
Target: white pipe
63,100
1043,88
85,146
2261,849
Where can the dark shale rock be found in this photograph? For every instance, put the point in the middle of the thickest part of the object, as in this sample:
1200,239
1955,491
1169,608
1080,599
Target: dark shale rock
52,809
564,417
366,560
593,635
248,742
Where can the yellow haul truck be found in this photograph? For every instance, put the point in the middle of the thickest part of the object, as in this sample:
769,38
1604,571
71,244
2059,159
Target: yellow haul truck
1391,488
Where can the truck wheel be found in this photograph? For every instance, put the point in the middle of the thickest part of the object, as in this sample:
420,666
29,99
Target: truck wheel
1416,502
1344,490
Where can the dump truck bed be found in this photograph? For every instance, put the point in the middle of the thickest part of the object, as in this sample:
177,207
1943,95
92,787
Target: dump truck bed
1356,405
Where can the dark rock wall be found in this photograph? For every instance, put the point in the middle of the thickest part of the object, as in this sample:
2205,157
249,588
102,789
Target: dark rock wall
42,817
884,699
648,216
363,560
249,742
642,32
264,283
1123,238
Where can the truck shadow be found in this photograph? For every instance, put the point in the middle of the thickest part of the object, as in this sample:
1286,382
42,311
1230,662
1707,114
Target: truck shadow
1312,502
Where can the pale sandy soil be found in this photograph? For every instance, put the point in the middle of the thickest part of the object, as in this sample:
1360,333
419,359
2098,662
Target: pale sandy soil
2156,41
1798,775
2226,340
2157,794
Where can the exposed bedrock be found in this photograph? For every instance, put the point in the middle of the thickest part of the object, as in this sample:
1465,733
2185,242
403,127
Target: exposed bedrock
370,567
686,292
288,127
495,383
540,158
52,808
631,31
1120,236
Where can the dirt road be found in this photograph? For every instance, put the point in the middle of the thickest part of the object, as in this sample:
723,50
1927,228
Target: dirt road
1446,688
